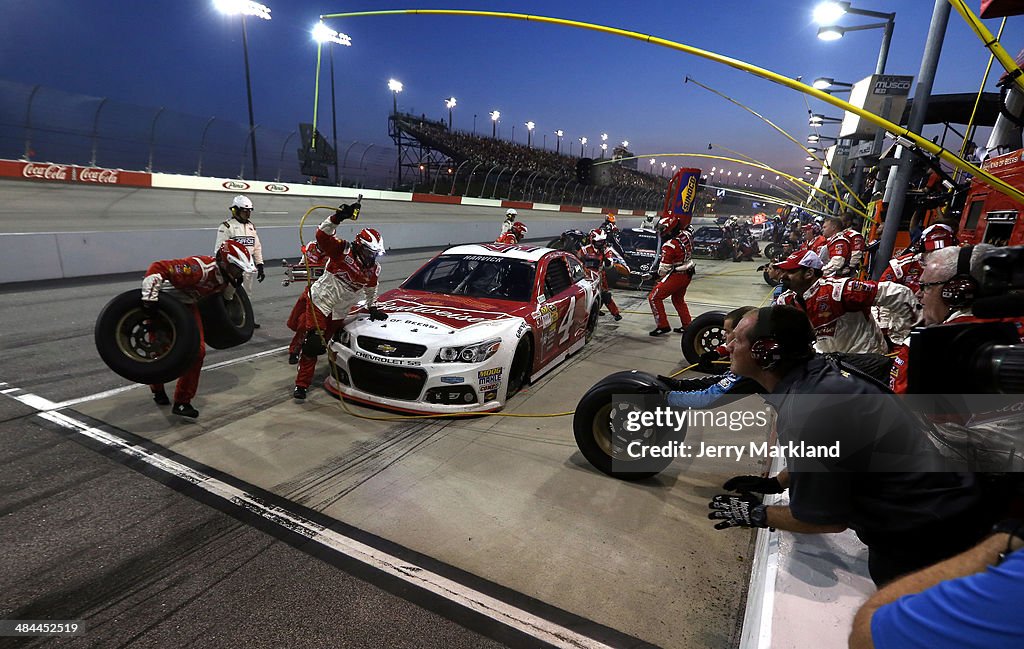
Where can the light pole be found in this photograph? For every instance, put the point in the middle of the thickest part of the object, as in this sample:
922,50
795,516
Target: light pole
246,8
495,115
395,87
828,84
583,144
653,162
324,34
529,134
450,104
604,148
558,143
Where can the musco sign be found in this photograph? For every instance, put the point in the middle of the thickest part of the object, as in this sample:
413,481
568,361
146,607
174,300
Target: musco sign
51,172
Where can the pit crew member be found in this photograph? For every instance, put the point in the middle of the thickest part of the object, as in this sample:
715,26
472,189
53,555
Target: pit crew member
838,249
311,256
515,234
195,278
598,256
239,228
675,272
510,217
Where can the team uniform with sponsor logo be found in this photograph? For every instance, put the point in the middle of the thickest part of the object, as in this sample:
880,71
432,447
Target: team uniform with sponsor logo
343,283
905,269
599,259
194,278
312,256
245,234
836,255
507,238
857,248
676,270
839,310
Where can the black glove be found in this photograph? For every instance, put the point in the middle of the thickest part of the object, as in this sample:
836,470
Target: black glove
376,314
345,212
673,383
748,483
707,360
743,510
260,275
150,306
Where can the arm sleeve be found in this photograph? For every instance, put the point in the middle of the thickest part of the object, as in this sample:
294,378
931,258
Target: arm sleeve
326,241
713,391
370,290
223,234
257,249
902,306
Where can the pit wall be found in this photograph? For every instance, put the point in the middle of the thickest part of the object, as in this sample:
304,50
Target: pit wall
103,248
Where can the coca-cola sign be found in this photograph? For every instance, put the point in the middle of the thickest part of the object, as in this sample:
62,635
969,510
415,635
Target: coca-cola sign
53,172
45,171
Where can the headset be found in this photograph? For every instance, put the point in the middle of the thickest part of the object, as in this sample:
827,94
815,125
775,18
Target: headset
768,350
961,289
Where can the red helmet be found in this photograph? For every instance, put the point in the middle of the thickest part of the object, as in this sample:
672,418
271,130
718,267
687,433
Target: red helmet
368,245
668,226
519,230
235,253
937,236
598,237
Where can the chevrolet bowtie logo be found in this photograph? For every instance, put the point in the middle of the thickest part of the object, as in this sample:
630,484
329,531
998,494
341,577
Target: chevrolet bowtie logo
386,349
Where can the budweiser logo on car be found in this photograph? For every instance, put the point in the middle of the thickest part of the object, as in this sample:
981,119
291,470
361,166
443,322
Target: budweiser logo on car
235,184
276,188
45,171
97,175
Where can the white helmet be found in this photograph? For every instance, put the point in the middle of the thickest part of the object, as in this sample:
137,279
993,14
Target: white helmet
242,202
511,213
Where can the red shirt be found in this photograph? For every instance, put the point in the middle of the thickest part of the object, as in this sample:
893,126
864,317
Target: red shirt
905,269
196,277
507,238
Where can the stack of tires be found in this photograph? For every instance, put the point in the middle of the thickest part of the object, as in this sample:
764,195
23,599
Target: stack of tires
158,345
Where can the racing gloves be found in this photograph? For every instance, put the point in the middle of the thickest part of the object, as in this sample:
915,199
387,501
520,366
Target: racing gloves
376,313
260,275
748,483
345,212
742,510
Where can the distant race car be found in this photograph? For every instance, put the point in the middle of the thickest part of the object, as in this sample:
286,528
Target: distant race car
640,248
468,330
711,241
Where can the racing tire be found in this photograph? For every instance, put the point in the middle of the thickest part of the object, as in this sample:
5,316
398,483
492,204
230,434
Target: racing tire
704,334
595,313
227,323
771,250
604,444
519,370
144,347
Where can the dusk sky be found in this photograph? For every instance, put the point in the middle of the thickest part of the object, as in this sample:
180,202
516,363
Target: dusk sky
185,56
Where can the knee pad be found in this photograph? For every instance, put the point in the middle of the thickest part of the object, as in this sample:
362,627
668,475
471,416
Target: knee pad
313,344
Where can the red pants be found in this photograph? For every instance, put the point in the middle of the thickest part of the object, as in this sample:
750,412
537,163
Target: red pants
312,320
672,285
188,382
612,307
296,320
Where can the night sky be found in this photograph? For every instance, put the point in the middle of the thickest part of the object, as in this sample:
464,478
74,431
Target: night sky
184,55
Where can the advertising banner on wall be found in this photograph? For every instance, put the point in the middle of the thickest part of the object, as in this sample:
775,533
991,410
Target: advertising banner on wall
62,173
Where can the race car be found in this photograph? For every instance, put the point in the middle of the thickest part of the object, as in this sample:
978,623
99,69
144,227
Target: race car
711,241
468,330
640,248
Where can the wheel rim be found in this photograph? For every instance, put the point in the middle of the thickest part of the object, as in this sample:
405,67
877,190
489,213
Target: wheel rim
143,337
612,439
709,338
235,313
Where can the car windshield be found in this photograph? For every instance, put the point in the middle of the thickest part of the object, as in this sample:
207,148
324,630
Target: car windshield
476,276
638,240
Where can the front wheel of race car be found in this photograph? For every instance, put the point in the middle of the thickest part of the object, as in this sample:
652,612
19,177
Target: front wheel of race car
519,372
144,346
227,323
704,334
602,436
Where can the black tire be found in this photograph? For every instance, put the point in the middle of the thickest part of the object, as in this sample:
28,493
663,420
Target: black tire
771,250
602,442
704,334
592,320
519,370
227,324
144,347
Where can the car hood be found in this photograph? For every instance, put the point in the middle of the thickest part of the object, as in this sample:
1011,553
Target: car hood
445,313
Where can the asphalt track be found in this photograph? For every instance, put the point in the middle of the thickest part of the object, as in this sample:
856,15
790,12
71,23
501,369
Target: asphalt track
309,527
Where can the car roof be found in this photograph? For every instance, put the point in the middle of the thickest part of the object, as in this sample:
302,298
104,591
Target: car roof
500,251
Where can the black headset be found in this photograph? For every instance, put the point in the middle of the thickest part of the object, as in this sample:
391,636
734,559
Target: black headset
767,349
961,289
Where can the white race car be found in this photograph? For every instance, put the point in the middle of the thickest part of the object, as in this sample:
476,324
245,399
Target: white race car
468,330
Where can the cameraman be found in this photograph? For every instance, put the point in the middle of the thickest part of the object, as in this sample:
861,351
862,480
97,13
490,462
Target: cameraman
908,515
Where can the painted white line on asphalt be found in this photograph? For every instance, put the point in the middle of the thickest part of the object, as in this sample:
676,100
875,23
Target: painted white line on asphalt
110,393
480,603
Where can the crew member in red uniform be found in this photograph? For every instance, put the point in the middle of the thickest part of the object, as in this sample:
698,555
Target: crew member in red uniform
599,257
947,299
515,234
675,272
906,269
857,244
195,278
352,271
839,308
311,256
812,238
837,248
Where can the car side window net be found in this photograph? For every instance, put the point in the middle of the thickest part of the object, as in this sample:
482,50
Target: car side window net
557,278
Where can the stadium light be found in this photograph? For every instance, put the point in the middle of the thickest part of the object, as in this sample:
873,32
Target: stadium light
324,34
495,115
395,87
529,134
625,144
828,84
246,8
558,143
817,119
604,137
450,104
828,12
